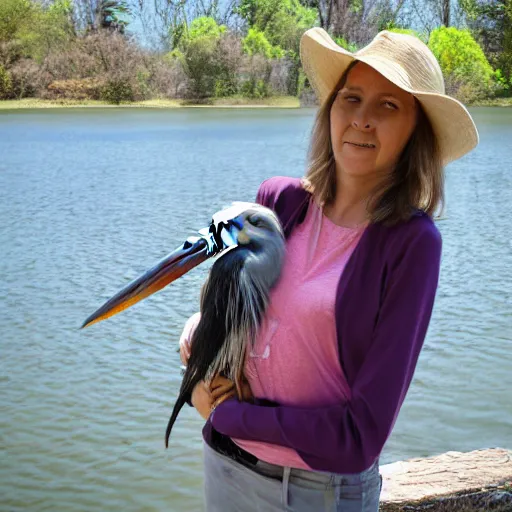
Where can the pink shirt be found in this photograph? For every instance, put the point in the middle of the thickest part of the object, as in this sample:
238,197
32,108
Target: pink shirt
295,358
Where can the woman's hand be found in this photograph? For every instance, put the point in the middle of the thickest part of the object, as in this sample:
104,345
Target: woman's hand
205,398
223,389
202,399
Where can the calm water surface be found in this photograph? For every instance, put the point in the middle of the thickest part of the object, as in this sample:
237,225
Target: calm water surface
91,198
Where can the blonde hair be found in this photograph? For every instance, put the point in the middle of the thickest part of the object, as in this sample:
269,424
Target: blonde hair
416,182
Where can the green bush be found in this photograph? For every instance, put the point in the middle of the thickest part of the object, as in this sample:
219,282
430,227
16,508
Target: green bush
117,90
199,54
224,88
205,26
257,43
14,15
5,84
256,89
504,86
142,78
468,74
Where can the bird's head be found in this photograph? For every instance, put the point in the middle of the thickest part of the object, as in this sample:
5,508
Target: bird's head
246,225
256,227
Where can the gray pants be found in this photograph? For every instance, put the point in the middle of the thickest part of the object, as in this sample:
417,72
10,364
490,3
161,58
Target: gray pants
233,487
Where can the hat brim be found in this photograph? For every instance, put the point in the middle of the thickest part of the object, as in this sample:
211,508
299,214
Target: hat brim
324,62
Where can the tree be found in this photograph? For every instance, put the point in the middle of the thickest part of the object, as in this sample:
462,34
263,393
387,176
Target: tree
282,22
430,14
357,21
51,29
165,21
256,43
465,68
491,23
198,51
36,28
14,15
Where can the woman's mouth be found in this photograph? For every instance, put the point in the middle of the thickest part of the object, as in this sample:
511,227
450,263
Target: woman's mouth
361,145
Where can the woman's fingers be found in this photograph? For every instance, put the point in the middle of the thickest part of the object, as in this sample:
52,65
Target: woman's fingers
223,397
202,399
221,385
219,380
222,389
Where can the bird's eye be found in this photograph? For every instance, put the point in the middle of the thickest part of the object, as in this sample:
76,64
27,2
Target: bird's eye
256,221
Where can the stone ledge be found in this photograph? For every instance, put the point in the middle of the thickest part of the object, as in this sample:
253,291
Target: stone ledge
475,481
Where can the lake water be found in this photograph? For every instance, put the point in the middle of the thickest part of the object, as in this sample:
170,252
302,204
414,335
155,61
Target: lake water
90,198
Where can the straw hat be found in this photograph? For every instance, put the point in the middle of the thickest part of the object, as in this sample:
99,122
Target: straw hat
408,63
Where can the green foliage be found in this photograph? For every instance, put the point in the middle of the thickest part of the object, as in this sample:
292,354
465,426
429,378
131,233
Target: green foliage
256,43
224,88
282,22
142,78
5,84
504,86
341,41
117,90
199,54
410,32
255,89
176,34
14,15
491,23
48,29
462,61
458,53
205,27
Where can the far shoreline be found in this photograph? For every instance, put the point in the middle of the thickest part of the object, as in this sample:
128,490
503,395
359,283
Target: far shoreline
288,102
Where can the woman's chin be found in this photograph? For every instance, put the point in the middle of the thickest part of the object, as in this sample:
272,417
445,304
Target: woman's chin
357,169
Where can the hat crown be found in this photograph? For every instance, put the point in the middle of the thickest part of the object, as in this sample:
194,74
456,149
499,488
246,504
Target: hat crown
409,60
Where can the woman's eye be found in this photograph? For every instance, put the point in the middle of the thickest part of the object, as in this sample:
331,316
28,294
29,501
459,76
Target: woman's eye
352,99
390,105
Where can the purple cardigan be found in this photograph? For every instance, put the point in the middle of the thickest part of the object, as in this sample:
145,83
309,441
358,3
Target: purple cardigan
383,306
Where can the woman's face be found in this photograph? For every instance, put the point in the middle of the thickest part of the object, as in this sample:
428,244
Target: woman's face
371,122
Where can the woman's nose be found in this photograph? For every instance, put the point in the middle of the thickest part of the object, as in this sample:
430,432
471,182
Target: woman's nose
362,120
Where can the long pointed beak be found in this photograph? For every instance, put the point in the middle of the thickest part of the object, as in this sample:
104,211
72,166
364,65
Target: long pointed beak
167,270
222,234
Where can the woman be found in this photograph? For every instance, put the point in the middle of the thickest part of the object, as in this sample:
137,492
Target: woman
339,344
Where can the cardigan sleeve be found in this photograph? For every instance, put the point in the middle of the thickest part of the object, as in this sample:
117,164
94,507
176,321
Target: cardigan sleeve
348,437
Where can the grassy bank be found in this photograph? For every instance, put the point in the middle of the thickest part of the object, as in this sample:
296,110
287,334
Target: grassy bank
233,102
494,102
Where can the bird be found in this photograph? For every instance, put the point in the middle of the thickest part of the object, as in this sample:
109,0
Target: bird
249,241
